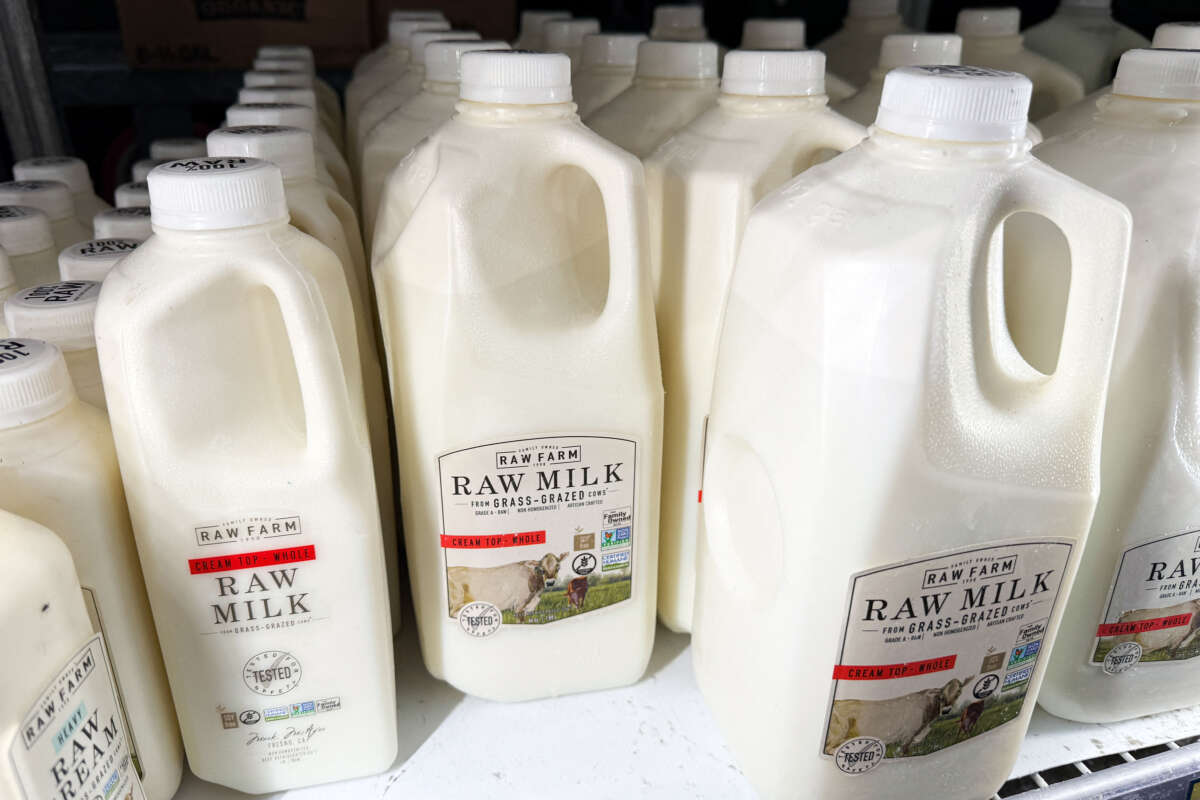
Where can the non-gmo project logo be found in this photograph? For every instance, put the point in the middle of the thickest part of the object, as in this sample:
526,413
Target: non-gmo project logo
250,717
272,673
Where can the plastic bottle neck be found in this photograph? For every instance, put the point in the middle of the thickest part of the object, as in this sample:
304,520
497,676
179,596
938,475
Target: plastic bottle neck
399,52
891,23
440,88
607,70
937,152
1009,43
678,84
505,115
220,238
754,106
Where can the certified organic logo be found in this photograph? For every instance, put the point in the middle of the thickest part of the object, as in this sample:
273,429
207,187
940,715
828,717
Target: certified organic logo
1122,657
272,673
480,619
859,755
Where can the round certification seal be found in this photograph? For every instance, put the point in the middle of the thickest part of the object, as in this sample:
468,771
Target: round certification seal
272,673
480,619
859,755
1124,656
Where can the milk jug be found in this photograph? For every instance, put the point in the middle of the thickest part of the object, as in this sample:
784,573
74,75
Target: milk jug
386,51
58,702
885,468
71,171
142,167
292,94
900,50
319,212
276,72
132,193
54,198
26,238
178,147
130,222
566,36
1128,637
58,468
788,34
853,51
678,23
62,314
530,36
400,131
606,66
299,58
94,259
528,399
1083,36
229,336
675,82
991,38
770,123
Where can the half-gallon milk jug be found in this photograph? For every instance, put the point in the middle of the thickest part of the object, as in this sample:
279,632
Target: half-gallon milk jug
177,147
269,73
25,235
1128,638
54,198
94,259
606,67
386,50
675,82
64,314
992,38
400,131
853,51
528,398
141,168
229,336
566,36
322,214
909,490
302,95
133,193
299,58
71,171
678,23
771,122
58,468
900,50
530,36
760,33
1083,36
130,222
59,711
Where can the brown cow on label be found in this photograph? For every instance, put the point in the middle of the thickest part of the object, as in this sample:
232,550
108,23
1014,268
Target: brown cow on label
577,593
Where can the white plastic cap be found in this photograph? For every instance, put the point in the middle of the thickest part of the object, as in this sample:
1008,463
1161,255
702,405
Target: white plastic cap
53,197
774,73
988,22
130,222
773,34
34,382
275,77
278,94
60,313
216,193
559,35
24,230
959,104
658,59
1159,74
515,77
873,8
292,115
134,193
284,65
94,259
685,21
1177,36
290,149
300,51
442,58
400,30
420,41
611,49
919,49
64,169
178,147
532,21
142,167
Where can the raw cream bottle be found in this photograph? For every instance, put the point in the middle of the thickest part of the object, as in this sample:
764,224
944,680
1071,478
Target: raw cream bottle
62,314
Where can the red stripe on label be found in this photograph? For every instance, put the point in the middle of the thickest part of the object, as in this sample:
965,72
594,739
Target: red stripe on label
887,672
700,496
1143,625
493,540
260,558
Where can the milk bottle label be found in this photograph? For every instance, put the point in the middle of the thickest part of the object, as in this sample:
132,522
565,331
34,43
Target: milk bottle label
72,742
537,530
938,650
1153,610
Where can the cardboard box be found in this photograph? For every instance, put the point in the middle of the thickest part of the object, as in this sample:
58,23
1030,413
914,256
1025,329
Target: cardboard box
225,34
494,19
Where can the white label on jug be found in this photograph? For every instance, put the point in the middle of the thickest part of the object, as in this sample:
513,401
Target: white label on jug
938,650
1153,609
72,742
537,530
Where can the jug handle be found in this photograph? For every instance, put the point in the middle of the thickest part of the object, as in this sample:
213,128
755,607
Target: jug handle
841,133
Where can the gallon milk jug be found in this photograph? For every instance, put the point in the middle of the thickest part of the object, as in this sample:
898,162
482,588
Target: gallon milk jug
788,34
178,147
54,198
294,115
305,96
133,193
400,131
606,67
60,717
94,259
1083,36
991,38
322,214
1128,638
682,23
130,222
909,489
142,167
520,333
26,237
386,51
299,58
63,314
58,468
261,550
853,51
566,36
530,36
675,82
771,122
900,50
71,171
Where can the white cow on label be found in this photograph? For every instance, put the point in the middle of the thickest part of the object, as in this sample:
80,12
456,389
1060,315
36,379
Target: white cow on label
515,587
902,721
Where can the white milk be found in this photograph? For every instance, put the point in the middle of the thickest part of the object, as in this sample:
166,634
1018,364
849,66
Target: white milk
301,95
322,214
1126,647
130,222
133,193
142,167
94,259
771,122
71,171
58,468
62,313
675,82
170,149
900,50
48,646
991,38
606,66
888,480
760,33
299,58
1083,36
26,237
530,35
229,336
54,198
678,23
566,36
520,334
853,51
387,50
